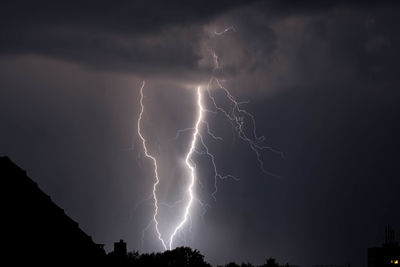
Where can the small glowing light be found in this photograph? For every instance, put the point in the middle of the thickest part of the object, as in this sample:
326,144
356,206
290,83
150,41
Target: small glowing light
396,261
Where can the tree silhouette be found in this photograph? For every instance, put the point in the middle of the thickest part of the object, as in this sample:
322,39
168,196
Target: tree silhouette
271,262
181,256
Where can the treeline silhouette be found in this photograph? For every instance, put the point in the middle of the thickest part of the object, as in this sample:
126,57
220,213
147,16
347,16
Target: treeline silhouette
179,257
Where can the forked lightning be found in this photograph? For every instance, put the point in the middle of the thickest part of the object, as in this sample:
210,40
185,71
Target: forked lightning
237,116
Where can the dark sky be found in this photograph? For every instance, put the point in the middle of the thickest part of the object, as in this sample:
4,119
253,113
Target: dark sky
320,77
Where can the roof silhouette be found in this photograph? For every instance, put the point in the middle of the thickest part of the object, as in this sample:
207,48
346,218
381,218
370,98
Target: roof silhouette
37,231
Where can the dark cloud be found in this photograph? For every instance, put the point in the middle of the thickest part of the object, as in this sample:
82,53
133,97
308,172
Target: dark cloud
117,36
137,36
117,16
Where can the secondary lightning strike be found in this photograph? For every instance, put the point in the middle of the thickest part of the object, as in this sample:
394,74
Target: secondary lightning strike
236,116
190,166
155,167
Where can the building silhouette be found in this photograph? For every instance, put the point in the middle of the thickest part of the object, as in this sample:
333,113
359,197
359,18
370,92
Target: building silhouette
386,255
36,231
120,249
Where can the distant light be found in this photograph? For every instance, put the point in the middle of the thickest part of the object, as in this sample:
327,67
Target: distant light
396,261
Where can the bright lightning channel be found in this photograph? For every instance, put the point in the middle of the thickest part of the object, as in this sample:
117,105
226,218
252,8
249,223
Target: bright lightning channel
153,159
191,167
188,163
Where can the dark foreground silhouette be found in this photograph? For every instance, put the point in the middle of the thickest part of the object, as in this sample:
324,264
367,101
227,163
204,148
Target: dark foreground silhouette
181,256
36,232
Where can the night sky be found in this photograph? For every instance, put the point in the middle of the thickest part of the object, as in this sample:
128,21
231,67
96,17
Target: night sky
320,77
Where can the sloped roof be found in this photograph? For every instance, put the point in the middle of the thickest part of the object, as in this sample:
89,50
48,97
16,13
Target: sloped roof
37,230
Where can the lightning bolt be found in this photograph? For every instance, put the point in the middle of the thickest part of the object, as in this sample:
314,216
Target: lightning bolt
190,166
238,118
153,159
188,162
